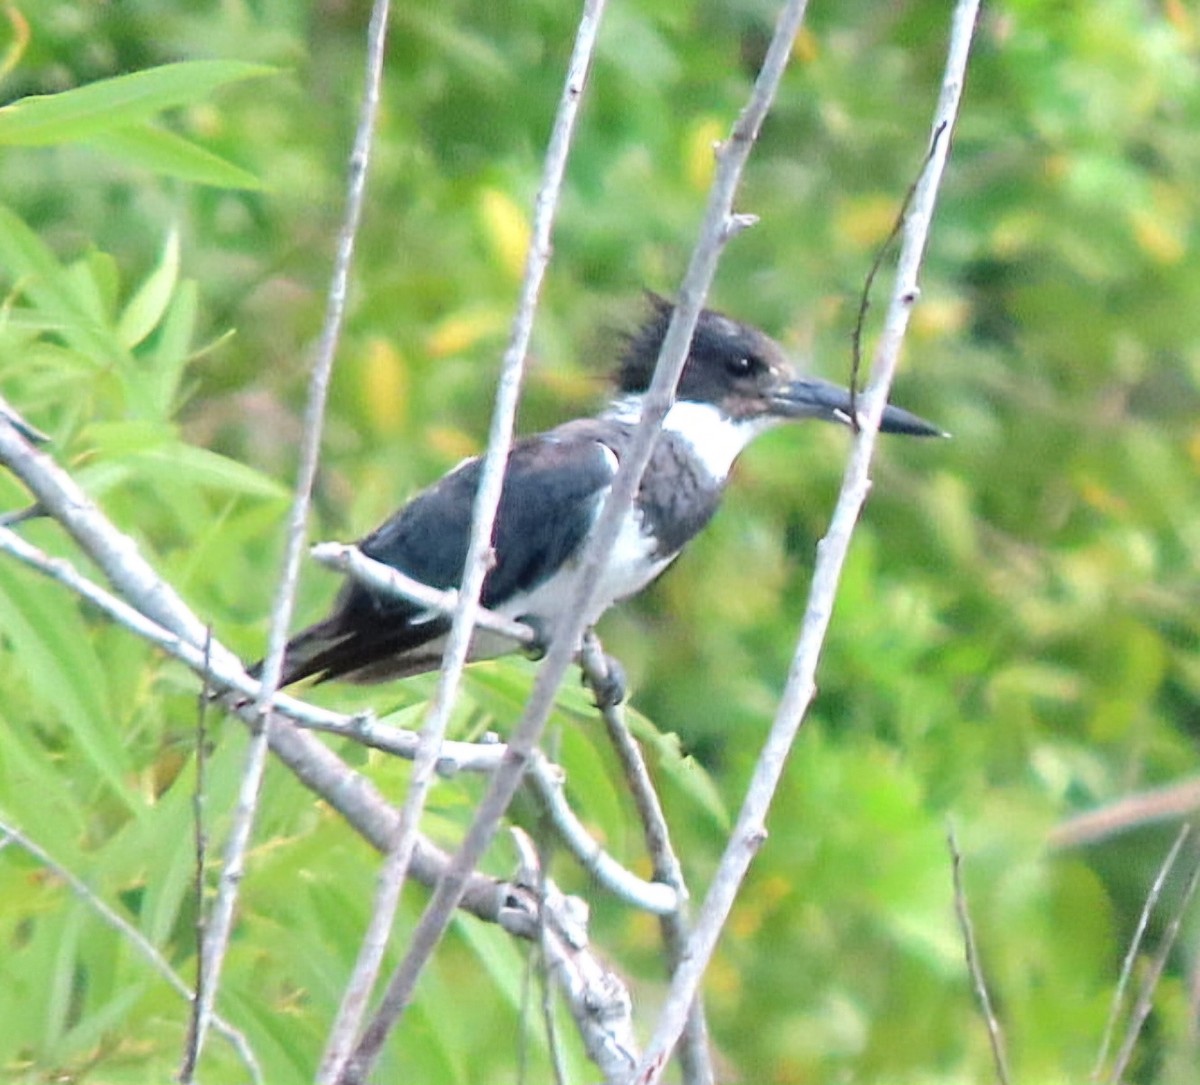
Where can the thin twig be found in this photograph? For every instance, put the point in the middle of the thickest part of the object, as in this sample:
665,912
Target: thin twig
310,446
236,1038
1135,945
542,857
479,561
694,1052
1145,1002
242,822
974,967
864,300
718,227
560,929
191,1050
750,830
596,998
389,581
545,778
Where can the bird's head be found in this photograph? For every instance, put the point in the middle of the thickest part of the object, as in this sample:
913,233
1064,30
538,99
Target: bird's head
745,374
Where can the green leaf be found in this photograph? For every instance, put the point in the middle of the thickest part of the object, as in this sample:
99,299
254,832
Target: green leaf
61,667
150,300
59,293
173,349
120,102
171,155
188,464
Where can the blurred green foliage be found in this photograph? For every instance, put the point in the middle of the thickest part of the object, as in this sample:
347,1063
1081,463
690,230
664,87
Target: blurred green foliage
1016,637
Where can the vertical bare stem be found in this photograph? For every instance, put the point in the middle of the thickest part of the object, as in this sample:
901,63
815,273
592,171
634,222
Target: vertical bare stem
1145,1001
1164,872
479,557
694,1054
718,226
974,967
750,831
310,448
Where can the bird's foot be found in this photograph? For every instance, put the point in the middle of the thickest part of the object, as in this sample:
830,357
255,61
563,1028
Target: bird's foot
535,650
609,688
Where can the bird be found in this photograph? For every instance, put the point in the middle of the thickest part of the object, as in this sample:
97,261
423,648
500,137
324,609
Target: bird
736,384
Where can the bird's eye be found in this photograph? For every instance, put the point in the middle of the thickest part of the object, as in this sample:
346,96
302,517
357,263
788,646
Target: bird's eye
740,365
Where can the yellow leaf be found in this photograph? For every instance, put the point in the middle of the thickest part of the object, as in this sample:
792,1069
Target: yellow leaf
867,221
462,330
1181,18
506,229
451,443
699,159
1161,226
805,48
935,317
383,386
1193,448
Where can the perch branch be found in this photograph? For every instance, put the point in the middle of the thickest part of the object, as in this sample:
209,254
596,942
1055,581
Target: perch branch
750,831
545,778
718,227
695,1056
479,560
594,995
386,580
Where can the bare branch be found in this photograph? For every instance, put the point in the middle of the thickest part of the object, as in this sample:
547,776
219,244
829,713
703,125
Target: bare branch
657,400
191,1047
1169,803
1144,1004
389,581
864,301
750,831
116,554
11,834
545,778
1134,945
695,1056
995,1032
596,997
560,930
479,560
479,553
310,450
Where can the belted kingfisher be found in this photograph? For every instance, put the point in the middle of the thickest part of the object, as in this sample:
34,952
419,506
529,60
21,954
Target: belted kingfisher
736,384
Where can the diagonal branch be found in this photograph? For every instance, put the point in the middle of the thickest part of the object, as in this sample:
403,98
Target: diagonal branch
310,449
133,936
596,997
694,1053
750,831
479,560
718,227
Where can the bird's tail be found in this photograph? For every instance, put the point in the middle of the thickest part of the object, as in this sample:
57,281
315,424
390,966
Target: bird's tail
311,651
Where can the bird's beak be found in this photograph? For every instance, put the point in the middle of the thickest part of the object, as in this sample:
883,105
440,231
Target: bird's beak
810,397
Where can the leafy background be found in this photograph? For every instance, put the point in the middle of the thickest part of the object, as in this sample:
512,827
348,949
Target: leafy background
1016,638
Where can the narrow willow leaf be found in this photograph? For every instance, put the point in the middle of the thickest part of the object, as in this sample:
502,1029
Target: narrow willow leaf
81,113
171,155
54,291
150,300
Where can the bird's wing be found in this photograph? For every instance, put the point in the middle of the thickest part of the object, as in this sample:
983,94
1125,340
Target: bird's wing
553,486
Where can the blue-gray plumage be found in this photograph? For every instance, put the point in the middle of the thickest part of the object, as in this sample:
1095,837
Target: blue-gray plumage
736,383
